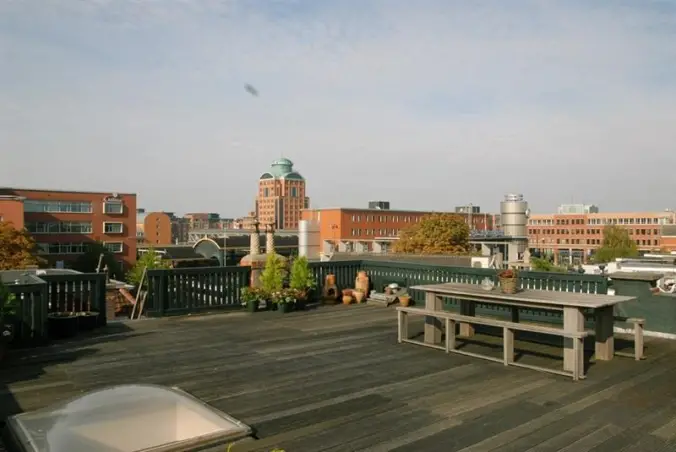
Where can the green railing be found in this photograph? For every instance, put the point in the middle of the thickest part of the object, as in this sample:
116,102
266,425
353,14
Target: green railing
75,292
180,291
31,313
186,290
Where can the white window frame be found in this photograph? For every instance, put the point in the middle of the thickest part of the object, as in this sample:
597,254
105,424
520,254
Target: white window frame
121,249
121,231
113,203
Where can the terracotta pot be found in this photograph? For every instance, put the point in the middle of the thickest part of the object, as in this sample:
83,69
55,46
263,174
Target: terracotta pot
405,300
330,280
347,292
358,296
362,281
347,299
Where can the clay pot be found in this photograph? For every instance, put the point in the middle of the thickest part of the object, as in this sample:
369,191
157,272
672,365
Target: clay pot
405,300
358,296
347,292
362,281
347,299
330,280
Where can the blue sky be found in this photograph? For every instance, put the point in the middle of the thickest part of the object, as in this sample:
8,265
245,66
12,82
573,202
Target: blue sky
428,104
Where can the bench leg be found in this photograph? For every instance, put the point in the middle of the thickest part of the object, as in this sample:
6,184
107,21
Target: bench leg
638,341
508,346
402,322
578,365
450,335
467,308
433,325
573,321
605,342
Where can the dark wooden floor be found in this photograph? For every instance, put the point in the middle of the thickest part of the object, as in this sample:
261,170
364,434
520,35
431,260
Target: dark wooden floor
334,379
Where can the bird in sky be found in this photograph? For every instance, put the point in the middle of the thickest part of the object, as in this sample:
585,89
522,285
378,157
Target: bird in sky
251,90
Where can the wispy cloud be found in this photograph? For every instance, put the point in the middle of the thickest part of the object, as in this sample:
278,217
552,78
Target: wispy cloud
454,101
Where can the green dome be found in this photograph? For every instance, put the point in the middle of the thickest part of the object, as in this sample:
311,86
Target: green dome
282,169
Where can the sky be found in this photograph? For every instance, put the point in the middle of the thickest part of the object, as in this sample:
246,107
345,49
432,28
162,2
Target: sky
428,104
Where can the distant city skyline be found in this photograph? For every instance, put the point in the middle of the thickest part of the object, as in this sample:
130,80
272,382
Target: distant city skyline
428,104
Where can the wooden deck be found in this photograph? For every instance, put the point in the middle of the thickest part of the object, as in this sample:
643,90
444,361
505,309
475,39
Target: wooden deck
334,379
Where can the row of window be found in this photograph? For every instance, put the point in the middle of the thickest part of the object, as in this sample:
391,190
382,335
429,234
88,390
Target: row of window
76,248
385,219
598,221
375,232
293,192
71,227
631,231
33,206
640,242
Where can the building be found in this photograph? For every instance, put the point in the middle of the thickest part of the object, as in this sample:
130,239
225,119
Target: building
154,228
371,230
11,210
64,223
281,196
572,238
577,209
203,220
468,208
180,228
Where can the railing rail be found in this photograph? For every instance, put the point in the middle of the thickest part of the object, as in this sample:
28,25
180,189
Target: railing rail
82,292
31,312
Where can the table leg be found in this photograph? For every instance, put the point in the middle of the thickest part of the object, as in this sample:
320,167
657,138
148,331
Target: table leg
573,320
433,325
467,308
605,342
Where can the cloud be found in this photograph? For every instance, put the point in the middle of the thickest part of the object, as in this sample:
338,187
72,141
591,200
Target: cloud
429,104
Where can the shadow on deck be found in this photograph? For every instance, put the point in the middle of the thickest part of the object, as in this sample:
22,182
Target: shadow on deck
335,379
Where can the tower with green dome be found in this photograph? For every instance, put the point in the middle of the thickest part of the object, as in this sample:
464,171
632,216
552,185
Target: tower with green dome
281,196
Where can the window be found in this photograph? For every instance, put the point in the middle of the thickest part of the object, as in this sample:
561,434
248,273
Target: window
62,248
63,227
294,192
32,206
113,228
114,207
114,247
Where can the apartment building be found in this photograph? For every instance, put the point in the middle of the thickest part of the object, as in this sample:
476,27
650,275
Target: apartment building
64,223
573,237
281,196
372,230
153,228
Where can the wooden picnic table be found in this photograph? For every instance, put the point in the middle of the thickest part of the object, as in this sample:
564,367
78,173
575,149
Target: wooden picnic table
573,305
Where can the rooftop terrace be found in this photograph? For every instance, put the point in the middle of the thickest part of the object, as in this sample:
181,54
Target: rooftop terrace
335,379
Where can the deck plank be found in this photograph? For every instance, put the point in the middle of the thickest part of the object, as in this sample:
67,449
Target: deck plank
336,379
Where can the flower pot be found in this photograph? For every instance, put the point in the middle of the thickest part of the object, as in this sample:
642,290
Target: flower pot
87,321
62,325
362,281
330,280
252,305
509,285
284,307
300,305
347,299
347,292
405,300
358,296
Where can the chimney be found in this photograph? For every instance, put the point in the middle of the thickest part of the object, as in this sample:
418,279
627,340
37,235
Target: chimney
270,239
254,239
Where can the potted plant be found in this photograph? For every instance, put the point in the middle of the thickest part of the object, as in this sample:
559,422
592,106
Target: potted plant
509,280
8,305
272,276
250,298
87,319
405,300
301,281
62,325
285,300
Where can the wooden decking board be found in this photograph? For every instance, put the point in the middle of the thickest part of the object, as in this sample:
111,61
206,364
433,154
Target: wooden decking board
309,382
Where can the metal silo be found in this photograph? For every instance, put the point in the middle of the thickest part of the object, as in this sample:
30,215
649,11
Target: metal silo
514,215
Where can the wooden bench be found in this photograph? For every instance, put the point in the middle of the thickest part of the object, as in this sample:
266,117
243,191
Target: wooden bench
451,319
639,328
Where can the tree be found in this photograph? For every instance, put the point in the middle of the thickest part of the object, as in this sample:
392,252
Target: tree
89,260
17,248
545,265
149,260
272,276
616,243
301,275
435,234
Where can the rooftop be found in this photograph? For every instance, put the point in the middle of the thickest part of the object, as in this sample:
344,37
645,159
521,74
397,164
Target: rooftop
12,190
334,379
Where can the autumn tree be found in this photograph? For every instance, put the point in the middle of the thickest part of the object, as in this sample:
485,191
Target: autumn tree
17,248
435,234
616,243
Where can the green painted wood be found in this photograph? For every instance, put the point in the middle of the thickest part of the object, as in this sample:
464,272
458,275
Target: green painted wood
31,316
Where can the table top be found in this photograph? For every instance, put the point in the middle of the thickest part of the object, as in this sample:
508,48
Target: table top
544,297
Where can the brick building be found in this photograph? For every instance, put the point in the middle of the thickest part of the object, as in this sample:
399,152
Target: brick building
64,223
572,237
154,228
372,230
281,196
